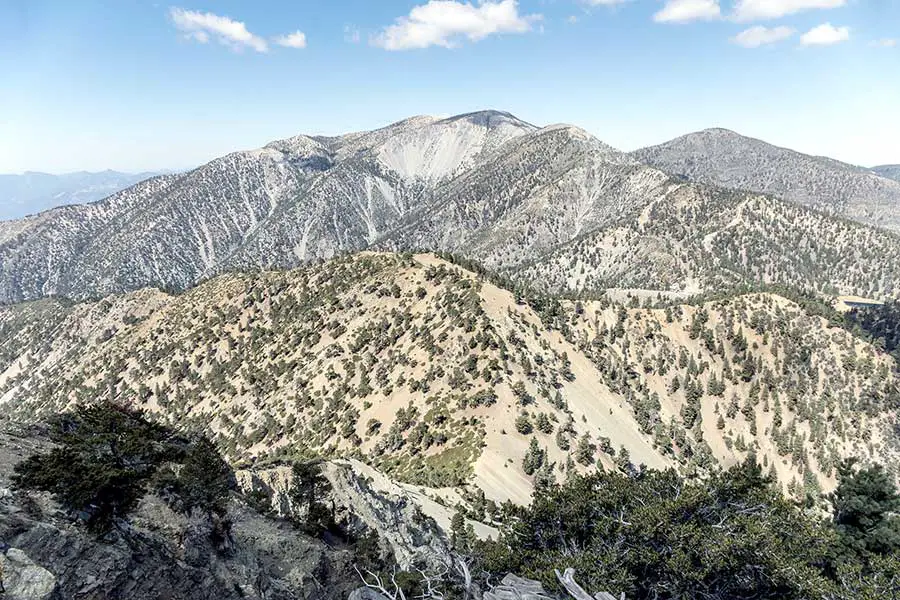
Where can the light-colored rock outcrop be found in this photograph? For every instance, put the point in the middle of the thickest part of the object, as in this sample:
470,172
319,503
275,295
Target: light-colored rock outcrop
23,579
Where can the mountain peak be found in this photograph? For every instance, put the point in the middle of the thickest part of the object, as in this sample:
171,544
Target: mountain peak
719,131
489,118
573,129
724,158
296,145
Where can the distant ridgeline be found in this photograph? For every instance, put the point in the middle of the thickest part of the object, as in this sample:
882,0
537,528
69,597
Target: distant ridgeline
552,207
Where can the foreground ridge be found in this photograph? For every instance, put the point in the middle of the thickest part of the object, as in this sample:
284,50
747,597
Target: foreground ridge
440,378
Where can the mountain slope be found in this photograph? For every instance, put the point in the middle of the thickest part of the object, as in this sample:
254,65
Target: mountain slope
437,377
889,171
294,200
542,190
725,158
519,199
697,239
32,192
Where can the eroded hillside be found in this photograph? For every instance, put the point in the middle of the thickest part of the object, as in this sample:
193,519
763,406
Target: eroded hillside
553,206
699,239
439,378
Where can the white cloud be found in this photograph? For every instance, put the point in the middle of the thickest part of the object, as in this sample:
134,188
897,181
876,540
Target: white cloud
571,19
443,22
825,35
201,26
885,43
760,36
757,10
684,11
292,40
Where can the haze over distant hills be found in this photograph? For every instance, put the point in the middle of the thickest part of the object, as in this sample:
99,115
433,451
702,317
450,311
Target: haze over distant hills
551,206
33,192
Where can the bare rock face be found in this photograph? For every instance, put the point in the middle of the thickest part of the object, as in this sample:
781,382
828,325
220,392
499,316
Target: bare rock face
408,533
177,559
25,580
159,553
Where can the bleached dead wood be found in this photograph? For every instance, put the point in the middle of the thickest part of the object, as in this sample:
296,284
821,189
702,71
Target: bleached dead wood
574,589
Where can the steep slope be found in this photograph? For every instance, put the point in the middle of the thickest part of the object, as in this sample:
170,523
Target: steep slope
32,192
889,171
439,378
167,231
292,201
552,206
725,158
698,239
542,190
379,178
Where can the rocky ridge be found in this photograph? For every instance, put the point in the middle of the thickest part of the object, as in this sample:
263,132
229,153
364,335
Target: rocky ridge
440,378
484,185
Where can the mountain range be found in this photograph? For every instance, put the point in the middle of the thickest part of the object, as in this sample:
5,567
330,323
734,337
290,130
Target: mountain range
527,201
430,324
32,192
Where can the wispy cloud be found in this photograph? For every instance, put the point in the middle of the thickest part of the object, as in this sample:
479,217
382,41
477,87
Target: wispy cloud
444,22
825,35
758,10
292,40
685,11
885,43
761,36
202,27
352,34
604,2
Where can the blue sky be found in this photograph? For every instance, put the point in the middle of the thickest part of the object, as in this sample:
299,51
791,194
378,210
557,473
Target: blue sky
135,85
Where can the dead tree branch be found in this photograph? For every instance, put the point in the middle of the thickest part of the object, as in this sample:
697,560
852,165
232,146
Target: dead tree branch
567,580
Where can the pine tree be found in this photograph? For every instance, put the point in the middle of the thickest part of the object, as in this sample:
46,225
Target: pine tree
534,458
543,423
584,452
105,456
523,424
307,487
866,506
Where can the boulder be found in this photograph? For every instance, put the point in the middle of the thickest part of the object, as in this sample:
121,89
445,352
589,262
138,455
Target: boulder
23,579
365,593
